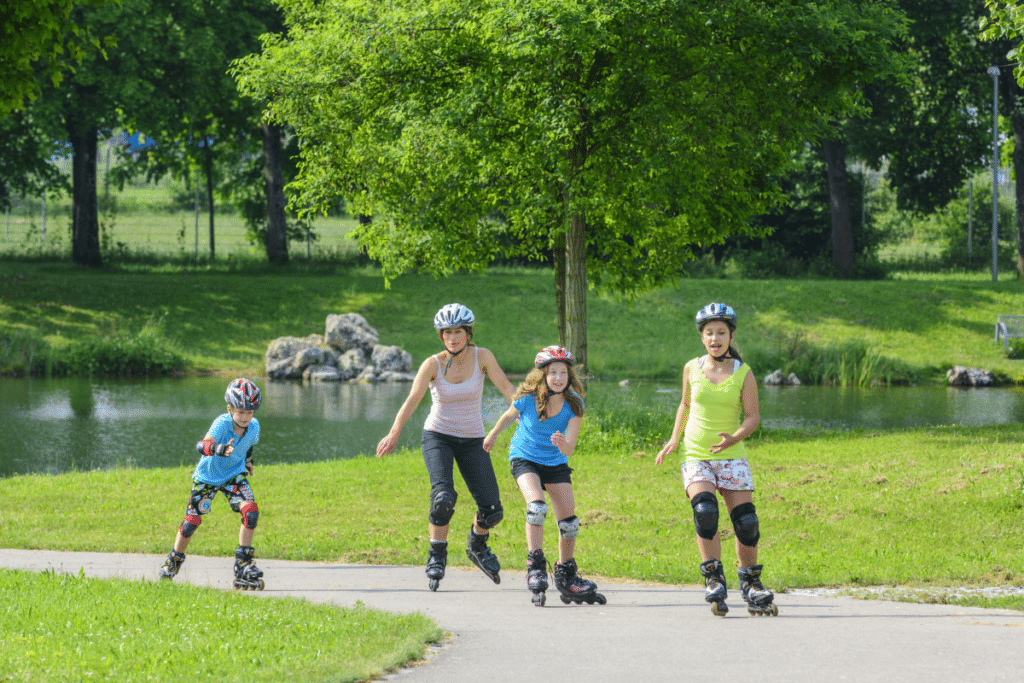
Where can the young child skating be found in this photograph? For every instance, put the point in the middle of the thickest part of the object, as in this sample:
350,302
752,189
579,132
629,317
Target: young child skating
549,407
225,466
719,409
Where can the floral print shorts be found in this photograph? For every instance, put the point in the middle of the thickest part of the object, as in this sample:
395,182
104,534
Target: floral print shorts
731,475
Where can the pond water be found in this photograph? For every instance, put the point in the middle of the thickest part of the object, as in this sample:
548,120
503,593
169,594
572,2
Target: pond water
59,425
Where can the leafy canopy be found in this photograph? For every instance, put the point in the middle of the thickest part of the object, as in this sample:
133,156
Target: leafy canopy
474,129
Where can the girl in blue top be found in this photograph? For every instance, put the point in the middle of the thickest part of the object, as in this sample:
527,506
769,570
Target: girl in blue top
549,407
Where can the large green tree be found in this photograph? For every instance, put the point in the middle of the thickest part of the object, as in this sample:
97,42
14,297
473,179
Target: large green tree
618,133
39,37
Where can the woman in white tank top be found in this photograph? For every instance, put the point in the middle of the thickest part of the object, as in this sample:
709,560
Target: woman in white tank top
453,435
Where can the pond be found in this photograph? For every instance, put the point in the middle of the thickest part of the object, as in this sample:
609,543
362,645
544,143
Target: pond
58,425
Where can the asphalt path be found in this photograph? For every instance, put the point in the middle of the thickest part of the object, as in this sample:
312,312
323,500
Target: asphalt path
646,632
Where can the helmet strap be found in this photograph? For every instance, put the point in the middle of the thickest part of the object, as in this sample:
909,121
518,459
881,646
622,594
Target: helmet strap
451,357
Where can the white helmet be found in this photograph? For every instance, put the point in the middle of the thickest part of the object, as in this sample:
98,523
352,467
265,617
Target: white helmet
453,315
716,312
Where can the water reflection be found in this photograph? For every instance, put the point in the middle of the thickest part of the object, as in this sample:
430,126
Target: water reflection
62,424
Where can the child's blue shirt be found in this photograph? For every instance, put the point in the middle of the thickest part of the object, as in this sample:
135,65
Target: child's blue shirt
532,439
217,470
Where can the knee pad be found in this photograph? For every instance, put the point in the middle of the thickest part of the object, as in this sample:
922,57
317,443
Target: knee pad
488,519
189,526
442,507
705,514
745,524
250,515
536,511
569,527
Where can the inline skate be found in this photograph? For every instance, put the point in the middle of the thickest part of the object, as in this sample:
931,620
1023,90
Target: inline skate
172,565
437,560
573,587
760,600
481,555
537,576
247,575
714,584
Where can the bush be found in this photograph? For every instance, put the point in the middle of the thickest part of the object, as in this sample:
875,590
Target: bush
1015,348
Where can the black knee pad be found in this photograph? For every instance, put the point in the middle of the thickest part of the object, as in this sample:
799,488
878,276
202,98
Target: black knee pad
488,518
745,524
705,514
442,507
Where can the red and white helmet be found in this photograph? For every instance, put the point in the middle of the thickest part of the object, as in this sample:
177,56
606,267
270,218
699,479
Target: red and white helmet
549,354
453,315
243,394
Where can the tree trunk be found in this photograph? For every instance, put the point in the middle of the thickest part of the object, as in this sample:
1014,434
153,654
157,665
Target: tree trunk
208,160
277,232
1017,119
576,291
85,225
842,226
558,252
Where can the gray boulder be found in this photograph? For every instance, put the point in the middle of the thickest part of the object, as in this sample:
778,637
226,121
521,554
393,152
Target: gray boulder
350,331
960,376
391,359
322,373
778,379
287,357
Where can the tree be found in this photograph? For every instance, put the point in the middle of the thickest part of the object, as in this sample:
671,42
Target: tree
39,36
1005,27
626,132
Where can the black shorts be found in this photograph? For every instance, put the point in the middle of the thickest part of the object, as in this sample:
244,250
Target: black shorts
549,474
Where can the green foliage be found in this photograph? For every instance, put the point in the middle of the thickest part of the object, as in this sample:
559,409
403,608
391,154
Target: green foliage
849,364
53,631
1015,349
639,116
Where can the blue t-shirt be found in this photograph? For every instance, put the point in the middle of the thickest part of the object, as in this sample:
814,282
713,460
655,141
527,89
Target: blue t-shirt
216,470
532,440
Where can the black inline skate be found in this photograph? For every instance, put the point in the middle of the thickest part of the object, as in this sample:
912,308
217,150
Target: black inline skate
481,555
172,565
247,575
715,589
437,560
573,587
758,598
537,576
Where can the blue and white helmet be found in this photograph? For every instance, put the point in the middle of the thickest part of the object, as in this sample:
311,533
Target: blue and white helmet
453,315
716,312
243,394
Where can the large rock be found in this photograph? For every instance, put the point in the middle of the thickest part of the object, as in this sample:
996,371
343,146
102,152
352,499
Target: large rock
350,331
353,361
960,376
778,379
391,359
287,357
322,373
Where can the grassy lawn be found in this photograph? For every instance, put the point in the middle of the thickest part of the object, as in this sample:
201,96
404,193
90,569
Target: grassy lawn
148,631
221,318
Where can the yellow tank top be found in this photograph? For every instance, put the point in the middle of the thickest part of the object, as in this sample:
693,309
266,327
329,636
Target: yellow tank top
714,408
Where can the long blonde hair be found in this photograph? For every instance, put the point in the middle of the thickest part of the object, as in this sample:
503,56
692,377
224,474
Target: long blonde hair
536,383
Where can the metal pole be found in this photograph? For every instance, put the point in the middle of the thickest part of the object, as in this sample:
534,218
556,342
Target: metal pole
993,71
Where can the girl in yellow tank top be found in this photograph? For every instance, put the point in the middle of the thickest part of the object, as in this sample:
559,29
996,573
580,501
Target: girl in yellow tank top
719,409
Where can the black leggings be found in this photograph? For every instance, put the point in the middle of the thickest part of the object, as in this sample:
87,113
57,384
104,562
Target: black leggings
441,450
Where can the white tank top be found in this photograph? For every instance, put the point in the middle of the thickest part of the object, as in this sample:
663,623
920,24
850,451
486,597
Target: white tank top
456,408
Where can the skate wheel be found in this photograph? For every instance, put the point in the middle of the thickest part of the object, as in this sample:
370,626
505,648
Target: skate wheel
719,609
539,599
497,579
601,600
774,610
565,600
434,583
260,585
238,587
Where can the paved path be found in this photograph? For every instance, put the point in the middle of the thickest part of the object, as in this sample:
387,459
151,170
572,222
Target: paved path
645,633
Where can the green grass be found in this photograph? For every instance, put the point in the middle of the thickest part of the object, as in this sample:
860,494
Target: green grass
935,508
52,631
223,316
